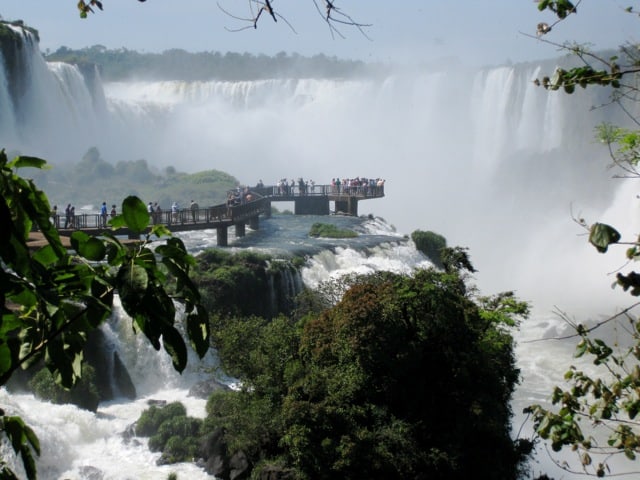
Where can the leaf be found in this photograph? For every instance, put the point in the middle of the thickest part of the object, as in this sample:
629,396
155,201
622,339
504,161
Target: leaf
175,346
24,161
198,330
22,439
132,283
135,214
46,256
118,222
602,235
93,249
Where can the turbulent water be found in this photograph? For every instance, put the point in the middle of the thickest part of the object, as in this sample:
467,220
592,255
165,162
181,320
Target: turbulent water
480,156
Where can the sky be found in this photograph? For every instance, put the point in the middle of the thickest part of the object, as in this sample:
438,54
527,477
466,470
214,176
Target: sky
476,32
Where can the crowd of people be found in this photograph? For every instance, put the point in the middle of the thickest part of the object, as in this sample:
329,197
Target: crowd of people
240,195
349,186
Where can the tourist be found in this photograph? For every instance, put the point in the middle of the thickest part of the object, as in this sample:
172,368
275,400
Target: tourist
174,211
54,216
113,211
67,215
194,211
157,214
103,214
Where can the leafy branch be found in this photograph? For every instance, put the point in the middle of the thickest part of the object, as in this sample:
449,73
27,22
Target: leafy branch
52,299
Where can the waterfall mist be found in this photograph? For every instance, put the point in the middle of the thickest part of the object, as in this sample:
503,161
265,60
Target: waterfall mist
483,157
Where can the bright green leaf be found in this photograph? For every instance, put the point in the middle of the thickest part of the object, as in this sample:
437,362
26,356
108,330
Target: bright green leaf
135,214
24,161
93,249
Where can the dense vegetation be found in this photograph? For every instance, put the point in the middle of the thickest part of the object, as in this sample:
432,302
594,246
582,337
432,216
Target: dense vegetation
176,64
328,230
84,394
170,431
93,180
245,283
431,244
406,377
53,298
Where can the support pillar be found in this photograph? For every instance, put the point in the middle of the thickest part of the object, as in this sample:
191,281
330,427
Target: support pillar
308,205
348,206
353,206
254,223
223,239
240,229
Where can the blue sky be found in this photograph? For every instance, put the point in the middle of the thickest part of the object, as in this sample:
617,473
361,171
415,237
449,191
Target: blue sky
478,32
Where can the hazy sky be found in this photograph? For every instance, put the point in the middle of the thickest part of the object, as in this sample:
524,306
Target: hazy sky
478,32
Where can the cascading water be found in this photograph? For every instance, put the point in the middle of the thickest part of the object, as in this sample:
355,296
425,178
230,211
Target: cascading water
482,157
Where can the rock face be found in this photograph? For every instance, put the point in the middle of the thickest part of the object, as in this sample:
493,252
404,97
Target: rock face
112,377
240,468
274,472
215,459
205,388
213,454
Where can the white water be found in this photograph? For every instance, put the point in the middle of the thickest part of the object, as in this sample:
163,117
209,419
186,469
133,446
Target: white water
483,157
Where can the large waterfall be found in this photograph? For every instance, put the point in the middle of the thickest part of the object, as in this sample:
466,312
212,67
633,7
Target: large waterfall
481,156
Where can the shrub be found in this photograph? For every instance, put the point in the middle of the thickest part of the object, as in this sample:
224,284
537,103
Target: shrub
330,231
84,394
151,419
431,244
181,426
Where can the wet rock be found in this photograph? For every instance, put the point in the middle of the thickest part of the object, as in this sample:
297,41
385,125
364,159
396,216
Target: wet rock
205,388
91,473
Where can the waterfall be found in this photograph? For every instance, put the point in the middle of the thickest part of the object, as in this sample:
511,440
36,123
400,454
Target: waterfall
284,283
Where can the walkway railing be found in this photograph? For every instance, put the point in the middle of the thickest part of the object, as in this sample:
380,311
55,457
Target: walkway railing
225,214
361,191
209,216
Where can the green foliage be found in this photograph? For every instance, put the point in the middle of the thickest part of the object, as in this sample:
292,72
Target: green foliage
602,235
183,429
330,231
53,298
562,8
403,376
84,394
431,244
171,432
23,441
241,283
593,68
151,419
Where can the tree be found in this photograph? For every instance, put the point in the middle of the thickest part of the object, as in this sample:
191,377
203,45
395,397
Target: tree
52,298
609,399
431,244
406,377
